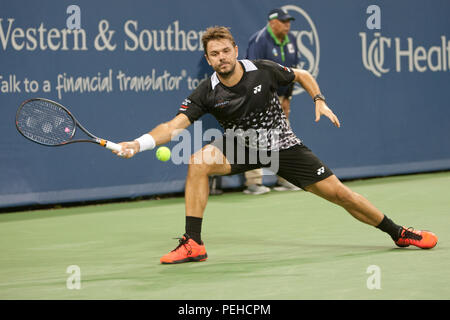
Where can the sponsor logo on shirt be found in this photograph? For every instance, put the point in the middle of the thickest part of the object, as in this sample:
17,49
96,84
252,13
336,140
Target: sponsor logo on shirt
285,68
184,105
221,104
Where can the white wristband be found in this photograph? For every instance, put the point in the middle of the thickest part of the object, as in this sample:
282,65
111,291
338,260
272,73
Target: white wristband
146,142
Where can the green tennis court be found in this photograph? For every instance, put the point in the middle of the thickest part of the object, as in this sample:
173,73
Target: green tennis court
287,245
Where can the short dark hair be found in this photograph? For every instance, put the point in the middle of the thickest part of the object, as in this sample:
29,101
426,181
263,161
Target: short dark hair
215,33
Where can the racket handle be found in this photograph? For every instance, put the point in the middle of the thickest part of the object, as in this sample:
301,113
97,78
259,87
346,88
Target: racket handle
113,146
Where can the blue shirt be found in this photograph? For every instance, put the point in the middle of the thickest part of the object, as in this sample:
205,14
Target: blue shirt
263,46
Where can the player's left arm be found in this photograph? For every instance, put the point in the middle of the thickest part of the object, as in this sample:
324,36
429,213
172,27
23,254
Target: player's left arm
311,86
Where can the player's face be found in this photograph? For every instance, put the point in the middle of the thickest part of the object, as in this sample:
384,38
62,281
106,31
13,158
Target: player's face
222,56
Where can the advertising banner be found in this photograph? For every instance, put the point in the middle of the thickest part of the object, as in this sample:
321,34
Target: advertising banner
123,67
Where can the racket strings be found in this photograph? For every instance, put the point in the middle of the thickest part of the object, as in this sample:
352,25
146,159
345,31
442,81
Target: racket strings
45,122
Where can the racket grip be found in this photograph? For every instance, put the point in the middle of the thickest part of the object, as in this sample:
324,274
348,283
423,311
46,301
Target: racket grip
113,146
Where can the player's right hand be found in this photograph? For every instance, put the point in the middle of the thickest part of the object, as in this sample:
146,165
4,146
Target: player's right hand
129,149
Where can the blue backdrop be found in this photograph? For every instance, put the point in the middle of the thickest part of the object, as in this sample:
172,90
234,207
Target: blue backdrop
389,86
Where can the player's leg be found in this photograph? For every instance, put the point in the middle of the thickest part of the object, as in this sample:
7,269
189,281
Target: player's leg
205,162
359,207
301,167
213,159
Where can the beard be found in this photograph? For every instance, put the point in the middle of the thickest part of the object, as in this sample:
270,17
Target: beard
226,74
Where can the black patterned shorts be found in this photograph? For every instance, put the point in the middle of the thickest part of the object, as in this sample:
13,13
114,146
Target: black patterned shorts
297,164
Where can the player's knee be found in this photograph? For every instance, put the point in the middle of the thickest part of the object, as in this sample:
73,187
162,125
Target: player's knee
198,165
195,159
198,169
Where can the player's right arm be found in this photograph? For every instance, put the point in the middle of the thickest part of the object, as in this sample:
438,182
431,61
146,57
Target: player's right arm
191,109
161,134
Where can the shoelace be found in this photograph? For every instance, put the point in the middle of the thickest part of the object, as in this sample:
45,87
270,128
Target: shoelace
410,234
183,242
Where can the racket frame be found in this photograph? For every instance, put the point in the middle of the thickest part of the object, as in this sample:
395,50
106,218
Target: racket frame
104,143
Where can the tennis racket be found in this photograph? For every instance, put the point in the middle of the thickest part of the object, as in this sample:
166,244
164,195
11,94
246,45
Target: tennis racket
48,123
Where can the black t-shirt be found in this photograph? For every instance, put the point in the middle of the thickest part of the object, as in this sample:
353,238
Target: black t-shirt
252,105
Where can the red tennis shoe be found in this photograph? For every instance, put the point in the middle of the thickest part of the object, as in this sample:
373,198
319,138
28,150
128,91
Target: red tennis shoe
187,251
418,238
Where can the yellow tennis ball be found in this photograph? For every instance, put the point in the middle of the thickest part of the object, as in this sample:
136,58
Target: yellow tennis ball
163,153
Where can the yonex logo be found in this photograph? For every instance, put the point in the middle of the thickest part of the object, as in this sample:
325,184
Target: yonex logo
320,171
257,89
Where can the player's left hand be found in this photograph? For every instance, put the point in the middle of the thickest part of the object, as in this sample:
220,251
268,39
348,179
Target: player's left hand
322,109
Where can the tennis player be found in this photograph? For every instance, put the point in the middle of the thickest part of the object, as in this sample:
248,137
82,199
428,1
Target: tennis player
241,94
